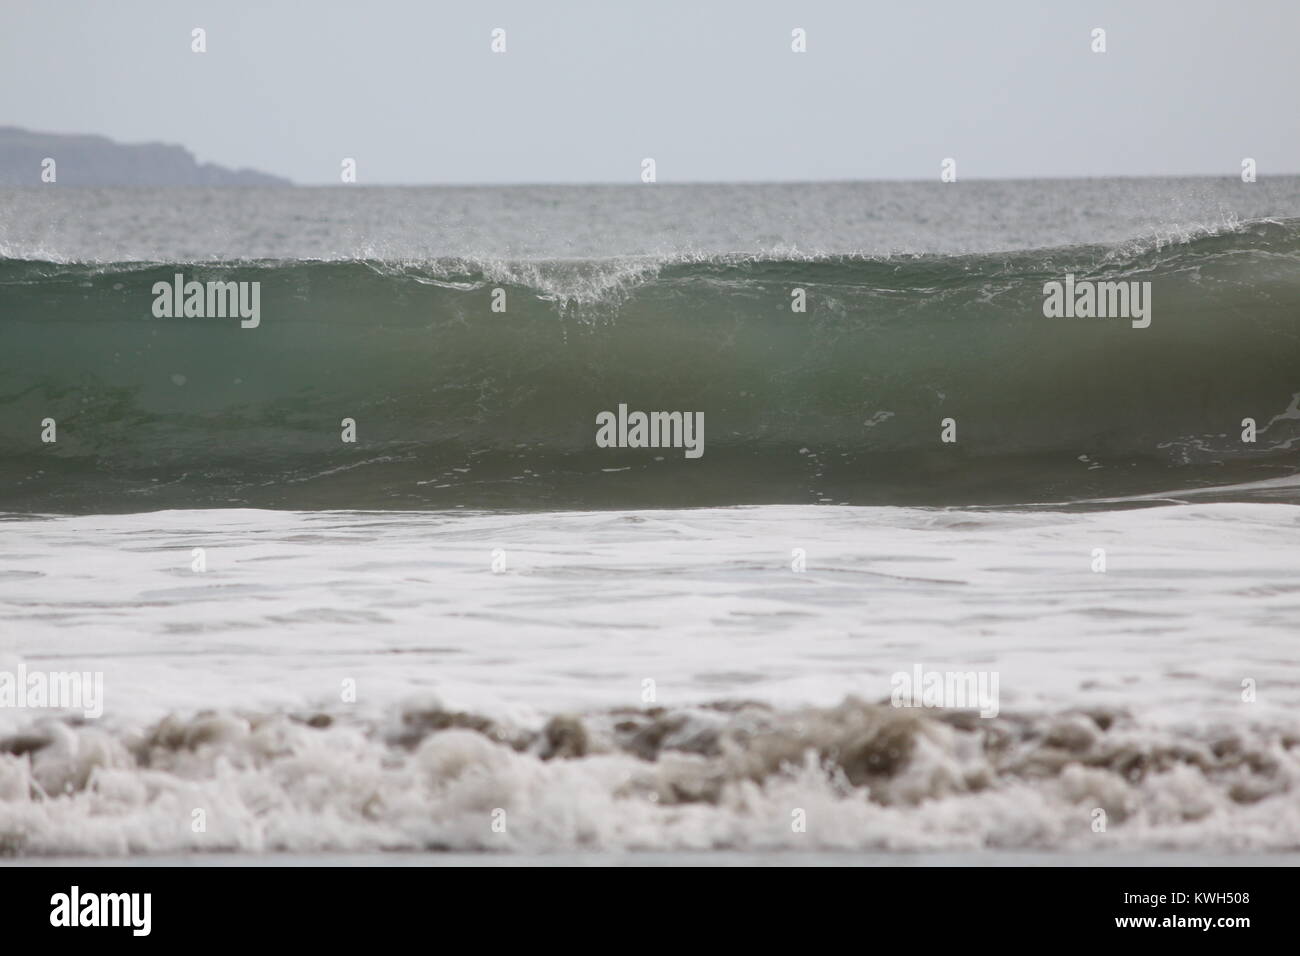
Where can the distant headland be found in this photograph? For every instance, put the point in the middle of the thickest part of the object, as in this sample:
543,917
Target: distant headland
29,158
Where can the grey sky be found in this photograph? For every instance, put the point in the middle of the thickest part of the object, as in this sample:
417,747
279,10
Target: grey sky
711,90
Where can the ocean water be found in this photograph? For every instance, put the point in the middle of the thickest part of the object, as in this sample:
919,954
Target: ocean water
474,630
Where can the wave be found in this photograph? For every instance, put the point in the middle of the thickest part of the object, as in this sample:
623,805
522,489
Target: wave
458,405
735,775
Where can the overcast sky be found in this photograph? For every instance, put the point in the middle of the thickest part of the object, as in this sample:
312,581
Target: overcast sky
710,90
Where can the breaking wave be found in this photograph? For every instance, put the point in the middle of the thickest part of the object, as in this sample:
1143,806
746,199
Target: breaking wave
458,405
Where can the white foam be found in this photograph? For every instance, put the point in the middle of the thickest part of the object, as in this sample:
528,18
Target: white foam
1195,600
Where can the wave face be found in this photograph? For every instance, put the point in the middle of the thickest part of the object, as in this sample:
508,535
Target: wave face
459,406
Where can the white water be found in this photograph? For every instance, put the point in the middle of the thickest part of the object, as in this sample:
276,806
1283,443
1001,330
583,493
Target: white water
1195,599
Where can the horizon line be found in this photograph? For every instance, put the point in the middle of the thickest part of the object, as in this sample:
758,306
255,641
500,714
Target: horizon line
515,184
